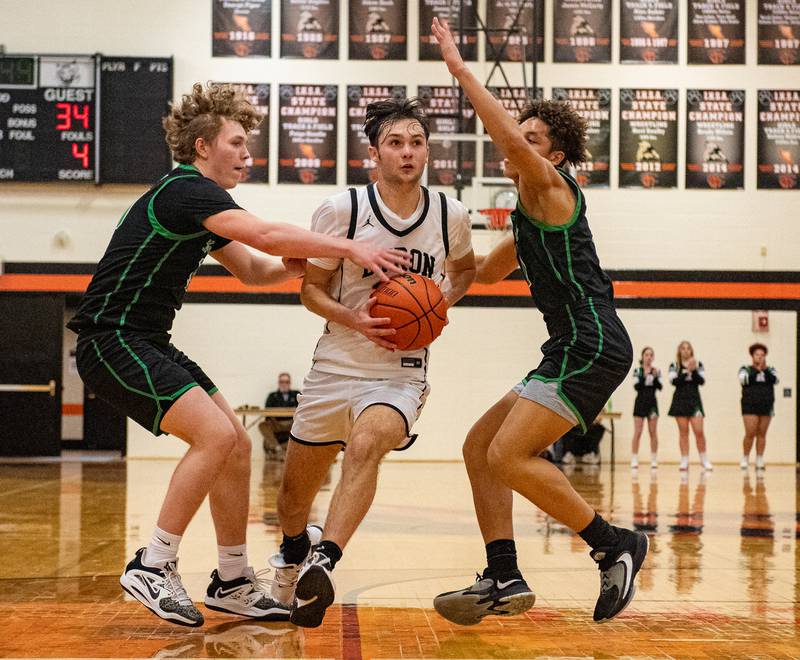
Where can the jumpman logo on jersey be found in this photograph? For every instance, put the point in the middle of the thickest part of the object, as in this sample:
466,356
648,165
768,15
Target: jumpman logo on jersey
367,222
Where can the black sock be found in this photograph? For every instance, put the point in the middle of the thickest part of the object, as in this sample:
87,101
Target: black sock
501,557
295,548
599,533
331,551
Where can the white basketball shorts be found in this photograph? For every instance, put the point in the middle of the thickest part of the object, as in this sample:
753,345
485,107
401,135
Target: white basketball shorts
331,403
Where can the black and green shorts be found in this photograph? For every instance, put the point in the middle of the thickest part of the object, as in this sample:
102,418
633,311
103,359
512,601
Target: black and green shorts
583,364
140,375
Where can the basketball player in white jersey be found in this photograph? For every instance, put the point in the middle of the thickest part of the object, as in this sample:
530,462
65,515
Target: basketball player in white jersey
362,393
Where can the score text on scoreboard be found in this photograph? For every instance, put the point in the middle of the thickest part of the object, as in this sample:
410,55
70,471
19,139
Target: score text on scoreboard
47,118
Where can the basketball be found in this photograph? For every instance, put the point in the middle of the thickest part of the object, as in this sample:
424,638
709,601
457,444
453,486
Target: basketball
416,308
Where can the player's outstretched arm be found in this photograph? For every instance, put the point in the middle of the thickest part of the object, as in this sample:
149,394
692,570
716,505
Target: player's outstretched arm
498,264
460,274
503,129
315,295
283,239
255,269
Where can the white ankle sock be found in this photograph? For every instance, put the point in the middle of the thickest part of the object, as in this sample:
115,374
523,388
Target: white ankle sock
653,459
684,462
232,561
703,458
163,547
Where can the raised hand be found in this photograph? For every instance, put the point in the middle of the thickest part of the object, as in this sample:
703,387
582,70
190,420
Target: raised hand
450,54
370,327
384,262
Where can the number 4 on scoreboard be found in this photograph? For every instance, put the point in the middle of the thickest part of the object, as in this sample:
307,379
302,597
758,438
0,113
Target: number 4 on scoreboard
81,152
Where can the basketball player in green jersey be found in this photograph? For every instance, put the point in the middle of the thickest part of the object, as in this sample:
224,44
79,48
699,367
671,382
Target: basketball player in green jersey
125,356
587,356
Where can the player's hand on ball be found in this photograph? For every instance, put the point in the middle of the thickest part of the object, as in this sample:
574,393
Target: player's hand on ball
370,326
450,54
294,267
384,262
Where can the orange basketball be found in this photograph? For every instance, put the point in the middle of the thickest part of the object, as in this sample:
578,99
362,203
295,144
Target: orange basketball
416,308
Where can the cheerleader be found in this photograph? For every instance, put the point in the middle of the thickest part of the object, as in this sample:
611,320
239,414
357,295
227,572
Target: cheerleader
687,374
646,380
758,398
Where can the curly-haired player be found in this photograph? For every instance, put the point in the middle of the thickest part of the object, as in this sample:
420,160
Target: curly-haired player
586,357
125,356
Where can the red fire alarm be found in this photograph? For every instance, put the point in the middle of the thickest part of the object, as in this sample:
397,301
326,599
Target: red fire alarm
760,320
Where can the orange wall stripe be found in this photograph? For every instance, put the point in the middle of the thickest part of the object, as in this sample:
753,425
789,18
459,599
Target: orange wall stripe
72,409
511,288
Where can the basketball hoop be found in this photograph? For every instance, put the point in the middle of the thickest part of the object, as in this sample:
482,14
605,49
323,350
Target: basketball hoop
496,219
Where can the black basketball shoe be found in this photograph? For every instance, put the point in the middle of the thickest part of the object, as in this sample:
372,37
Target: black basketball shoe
618,568
500,596
314,593
160,590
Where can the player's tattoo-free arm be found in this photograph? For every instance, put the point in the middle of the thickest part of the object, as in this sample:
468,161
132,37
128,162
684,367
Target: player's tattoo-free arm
498,264
315,295
502,127
460,274
280,238
255,269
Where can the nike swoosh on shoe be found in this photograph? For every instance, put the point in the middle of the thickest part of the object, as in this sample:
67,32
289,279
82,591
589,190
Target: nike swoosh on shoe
154,593
503,585
626,559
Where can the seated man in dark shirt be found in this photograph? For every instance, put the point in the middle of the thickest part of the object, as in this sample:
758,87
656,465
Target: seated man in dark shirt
275,430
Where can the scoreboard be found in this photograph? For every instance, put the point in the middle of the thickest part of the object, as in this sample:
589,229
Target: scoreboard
83,118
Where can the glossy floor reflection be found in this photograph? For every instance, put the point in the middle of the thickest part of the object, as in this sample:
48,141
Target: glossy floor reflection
722,579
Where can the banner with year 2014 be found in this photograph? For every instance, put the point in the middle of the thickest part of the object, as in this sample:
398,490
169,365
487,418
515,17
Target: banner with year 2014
445,168
307,134
241,28
594,105
378,29
582,31
648,138
310,29
360,167
715,138
779,138
648,32
716,32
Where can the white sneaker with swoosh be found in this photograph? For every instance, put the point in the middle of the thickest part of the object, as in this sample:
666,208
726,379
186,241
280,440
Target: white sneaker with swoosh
618,568
160,590
246,595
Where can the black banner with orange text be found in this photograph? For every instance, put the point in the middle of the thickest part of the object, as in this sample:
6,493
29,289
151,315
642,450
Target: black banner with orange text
779,31
716,32
779,138
594,105
582,31
241,28
648,32
378,29
307,134
441,108
648,138
715,138
310,29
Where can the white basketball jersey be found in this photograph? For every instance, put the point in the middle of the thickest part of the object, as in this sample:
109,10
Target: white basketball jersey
438,228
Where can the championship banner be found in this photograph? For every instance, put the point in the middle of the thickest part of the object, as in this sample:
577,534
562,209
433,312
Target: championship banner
378,29
258,141
360,168
307,134
716,32
648,138
441,108
648,32
715,138
594,105
517,45
779,138
779,31
241,28
514,100
310,29
446,10
582,31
